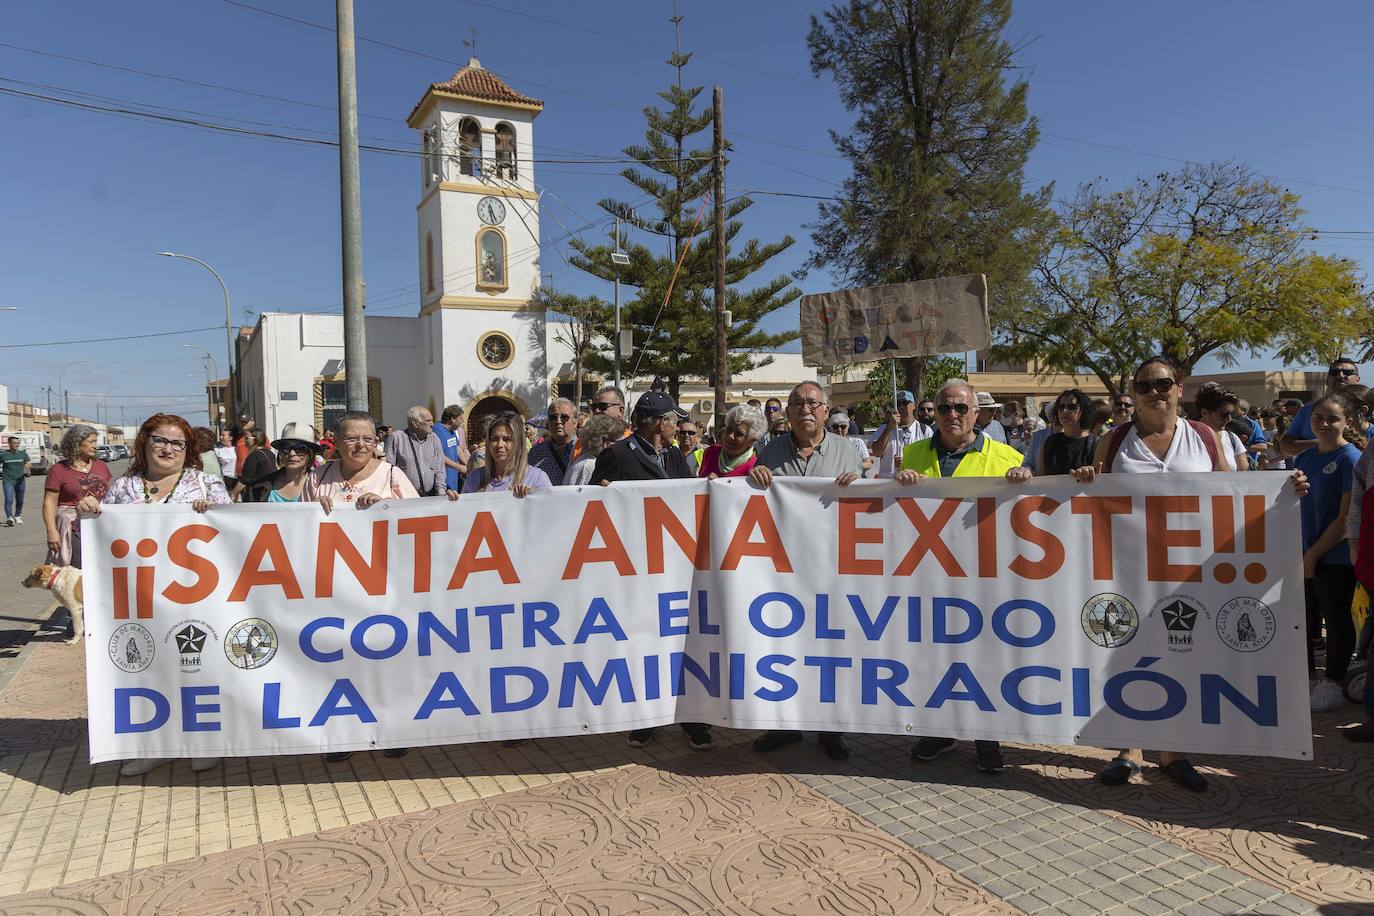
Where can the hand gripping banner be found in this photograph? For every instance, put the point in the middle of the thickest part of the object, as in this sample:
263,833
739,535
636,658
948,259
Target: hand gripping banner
1156,611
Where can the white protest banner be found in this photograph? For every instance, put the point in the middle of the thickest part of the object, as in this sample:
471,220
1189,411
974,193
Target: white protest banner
1162,611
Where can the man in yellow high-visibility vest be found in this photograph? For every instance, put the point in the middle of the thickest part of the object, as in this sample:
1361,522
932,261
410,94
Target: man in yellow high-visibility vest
958,449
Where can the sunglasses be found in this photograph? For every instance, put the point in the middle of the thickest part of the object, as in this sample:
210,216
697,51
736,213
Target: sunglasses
603,406
1157,386
946,409
771,409
1345,372
1124,405
297,449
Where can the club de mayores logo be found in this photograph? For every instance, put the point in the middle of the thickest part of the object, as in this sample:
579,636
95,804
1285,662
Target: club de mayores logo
132,648
1246,624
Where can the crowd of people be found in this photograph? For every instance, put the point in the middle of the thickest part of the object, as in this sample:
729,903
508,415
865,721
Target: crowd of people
959,432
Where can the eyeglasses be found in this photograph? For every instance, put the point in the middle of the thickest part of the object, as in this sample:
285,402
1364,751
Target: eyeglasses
1345,372
1124,405
840,427
688,433
560,417
358,440
1158,385
809,404
1071,408
297,450
771,409
176,445
603,406
946,409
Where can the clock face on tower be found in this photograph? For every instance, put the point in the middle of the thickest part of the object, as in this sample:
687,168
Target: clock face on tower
491,210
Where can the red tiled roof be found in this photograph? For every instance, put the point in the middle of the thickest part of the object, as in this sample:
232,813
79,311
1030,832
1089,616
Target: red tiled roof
476,83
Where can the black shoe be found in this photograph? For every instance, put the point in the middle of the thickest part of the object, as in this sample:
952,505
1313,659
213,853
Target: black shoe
337,756
928,749
1183,773
396,752
989,757
834,745
698,736
640,737
772,740
1118,772
1360,733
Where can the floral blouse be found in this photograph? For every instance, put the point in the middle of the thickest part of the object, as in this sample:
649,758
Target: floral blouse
192,486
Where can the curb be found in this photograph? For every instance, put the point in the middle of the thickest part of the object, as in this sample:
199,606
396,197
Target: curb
12,669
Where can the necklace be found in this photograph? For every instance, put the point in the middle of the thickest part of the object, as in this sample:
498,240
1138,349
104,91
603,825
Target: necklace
152,489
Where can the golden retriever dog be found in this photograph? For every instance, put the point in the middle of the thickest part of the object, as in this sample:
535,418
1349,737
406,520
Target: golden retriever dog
65,583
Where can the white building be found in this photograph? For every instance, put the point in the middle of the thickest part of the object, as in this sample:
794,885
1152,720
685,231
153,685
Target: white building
478,340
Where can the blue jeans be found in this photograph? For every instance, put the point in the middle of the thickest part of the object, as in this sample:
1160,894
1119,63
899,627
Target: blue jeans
14,497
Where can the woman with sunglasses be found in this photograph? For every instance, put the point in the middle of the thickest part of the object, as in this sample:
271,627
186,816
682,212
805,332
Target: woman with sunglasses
1327,565
296,451
1073,445
1216,407
507,464
1158,441
164,467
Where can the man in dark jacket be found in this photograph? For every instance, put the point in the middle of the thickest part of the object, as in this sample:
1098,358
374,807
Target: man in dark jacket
650,454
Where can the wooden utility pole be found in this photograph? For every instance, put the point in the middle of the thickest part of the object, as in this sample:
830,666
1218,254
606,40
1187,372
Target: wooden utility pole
718,170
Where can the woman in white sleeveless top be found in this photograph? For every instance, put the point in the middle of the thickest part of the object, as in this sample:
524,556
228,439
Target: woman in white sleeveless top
1159,441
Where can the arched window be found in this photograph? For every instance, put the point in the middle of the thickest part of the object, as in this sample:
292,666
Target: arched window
432,160
470,148
491,260
429,260
505,151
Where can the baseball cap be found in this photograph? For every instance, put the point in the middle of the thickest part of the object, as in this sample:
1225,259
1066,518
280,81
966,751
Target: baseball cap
656,404
906,396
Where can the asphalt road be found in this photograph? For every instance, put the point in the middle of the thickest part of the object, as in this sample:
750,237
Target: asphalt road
24,612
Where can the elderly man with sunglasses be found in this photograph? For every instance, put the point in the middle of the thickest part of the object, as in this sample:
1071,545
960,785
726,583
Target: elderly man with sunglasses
1299,437
958,449
554,453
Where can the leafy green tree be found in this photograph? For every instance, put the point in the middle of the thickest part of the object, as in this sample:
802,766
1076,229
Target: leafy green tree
580,321
937,150
1204,261
675,340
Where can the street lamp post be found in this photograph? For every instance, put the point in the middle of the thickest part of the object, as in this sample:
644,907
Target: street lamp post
228,327
62,391
210,368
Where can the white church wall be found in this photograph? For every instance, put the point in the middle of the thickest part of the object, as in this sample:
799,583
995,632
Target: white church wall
466,377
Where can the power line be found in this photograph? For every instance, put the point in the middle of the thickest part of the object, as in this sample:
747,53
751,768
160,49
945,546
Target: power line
63,343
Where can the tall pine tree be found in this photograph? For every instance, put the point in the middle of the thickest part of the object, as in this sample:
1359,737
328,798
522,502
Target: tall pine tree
937,149
676,340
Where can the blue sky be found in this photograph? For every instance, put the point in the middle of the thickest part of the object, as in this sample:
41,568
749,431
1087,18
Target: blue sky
88,198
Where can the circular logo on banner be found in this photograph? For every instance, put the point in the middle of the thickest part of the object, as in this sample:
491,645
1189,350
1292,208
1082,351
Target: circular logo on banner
250,643
190,637
1109,620
1246,624
1180,615
131,648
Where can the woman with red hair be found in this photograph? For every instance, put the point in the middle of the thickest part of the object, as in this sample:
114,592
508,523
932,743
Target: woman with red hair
164,467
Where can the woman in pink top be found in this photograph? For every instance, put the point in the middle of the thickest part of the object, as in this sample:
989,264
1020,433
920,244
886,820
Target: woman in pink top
735,455
359,476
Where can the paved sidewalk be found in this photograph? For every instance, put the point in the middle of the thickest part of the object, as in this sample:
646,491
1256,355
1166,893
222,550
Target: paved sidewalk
583,825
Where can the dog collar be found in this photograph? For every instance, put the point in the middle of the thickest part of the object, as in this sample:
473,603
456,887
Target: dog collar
53,578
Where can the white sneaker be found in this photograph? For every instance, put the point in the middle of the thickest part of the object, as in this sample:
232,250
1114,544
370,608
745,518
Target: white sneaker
9,521
1327,696
18,520
139,767
201,764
